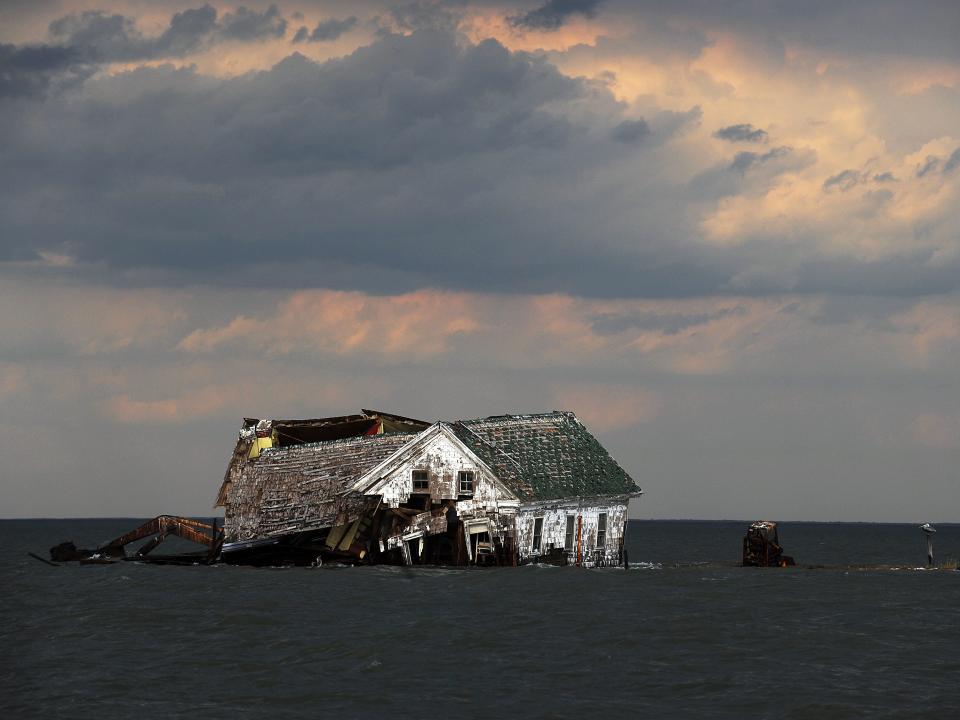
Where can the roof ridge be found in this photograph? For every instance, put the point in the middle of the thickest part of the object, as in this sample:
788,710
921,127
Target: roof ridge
553,414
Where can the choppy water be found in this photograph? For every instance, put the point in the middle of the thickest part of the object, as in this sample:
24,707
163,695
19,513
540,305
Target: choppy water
685,633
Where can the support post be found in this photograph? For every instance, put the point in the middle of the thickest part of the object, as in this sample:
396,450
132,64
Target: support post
928,531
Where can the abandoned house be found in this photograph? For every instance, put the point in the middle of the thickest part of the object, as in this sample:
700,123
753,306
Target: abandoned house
381,488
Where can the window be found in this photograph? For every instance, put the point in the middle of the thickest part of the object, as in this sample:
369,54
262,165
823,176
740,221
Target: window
537,533
421,481
602,530
568,540
466,482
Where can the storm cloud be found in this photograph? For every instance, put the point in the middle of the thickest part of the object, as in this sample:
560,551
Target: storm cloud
744,161
31,70
85,41
418,159
387,158
744,132
554,13
326,30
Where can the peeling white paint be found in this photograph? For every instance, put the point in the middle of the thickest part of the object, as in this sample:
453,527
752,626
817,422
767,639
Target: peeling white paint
585,513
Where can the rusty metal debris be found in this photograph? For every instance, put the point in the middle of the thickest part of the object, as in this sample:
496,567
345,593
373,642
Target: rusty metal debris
157,529
761,546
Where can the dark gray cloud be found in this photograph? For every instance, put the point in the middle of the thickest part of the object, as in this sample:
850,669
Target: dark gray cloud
934,162
326,30
31,70
884,177
554,13
402,143
187,32
744,132
630,131
744,161
247,25
844,180
111,38
427,14
418,160
84,41
953,162
930,163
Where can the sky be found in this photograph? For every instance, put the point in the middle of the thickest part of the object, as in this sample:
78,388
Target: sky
726,234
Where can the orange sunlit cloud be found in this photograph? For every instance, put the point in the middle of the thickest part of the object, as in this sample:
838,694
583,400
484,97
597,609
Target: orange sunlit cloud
609,407
418,324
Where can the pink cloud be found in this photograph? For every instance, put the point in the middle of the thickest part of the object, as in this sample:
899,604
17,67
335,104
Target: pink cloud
700,336
607,407
191,405
418,324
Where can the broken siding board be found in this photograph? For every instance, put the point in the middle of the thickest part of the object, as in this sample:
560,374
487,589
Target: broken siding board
336,534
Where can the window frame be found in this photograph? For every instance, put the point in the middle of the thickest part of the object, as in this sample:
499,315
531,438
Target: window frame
462,476
570,533
537,536
425,479
602,520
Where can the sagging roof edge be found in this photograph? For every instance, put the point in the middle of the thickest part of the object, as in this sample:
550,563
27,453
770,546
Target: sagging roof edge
242,447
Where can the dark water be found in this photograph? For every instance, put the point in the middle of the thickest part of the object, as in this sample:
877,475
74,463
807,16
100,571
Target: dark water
685,633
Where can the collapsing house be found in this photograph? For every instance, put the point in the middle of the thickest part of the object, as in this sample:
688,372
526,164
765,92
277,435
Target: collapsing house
381,488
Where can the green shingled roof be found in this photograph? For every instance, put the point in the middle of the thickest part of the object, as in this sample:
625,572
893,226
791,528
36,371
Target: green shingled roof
545,457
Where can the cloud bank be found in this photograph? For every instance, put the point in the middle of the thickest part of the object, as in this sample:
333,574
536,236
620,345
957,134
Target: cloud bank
727,234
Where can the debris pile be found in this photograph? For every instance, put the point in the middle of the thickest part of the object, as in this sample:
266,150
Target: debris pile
761,546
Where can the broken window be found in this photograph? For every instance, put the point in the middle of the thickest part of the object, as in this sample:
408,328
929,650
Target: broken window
537,533
568,540
466,482
602,530
421,481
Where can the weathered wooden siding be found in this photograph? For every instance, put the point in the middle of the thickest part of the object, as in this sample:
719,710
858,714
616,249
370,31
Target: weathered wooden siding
298,487
442,460
587,510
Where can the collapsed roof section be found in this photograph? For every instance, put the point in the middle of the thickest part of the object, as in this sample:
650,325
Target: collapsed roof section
299,487
368,422
258,434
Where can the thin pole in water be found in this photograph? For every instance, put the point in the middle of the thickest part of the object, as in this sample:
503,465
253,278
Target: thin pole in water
928,531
